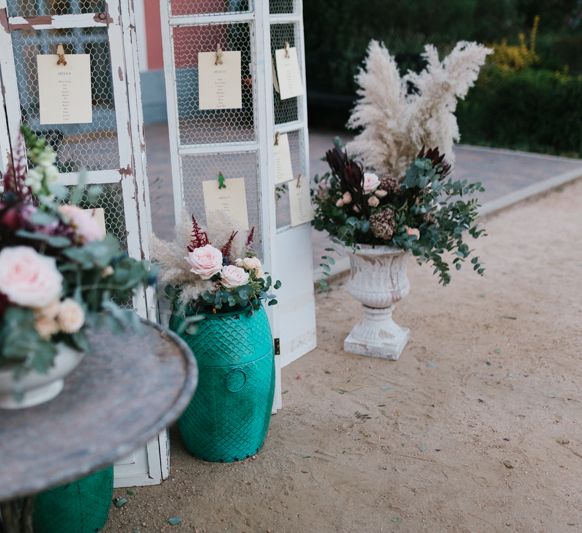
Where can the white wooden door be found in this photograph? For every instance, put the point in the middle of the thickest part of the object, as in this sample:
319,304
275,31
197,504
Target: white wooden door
239,142
110,149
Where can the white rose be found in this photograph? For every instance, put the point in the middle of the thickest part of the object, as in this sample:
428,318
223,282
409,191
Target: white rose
232,276
371,182
205,261
249,263
71,316
84,223
29,279
46,327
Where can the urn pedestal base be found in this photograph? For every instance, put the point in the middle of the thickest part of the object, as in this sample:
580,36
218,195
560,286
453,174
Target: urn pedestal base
378,281
377,335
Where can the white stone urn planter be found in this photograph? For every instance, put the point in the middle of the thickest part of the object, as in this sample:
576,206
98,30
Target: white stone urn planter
34,388
378,280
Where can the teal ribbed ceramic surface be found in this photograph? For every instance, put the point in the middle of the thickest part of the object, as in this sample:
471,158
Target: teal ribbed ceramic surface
228,418
79,507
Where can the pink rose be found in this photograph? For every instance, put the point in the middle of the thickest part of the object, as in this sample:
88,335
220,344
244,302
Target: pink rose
373,201
371,182
29,279
347,198
84,223
205,261
233,276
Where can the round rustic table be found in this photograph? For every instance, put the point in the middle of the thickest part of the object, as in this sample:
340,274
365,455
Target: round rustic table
125,392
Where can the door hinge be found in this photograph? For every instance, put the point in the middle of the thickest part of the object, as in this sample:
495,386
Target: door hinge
277,346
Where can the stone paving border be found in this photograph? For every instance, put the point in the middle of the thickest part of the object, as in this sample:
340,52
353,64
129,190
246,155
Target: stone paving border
488,209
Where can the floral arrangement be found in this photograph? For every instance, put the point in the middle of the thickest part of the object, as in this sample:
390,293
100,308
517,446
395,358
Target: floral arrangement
60,274
422,211
200,277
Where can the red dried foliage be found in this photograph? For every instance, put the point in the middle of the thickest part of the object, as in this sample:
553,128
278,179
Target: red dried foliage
199,237
250,238
15,174
227,248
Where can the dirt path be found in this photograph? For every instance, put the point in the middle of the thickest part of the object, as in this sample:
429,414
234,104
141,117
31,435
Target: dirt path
477,428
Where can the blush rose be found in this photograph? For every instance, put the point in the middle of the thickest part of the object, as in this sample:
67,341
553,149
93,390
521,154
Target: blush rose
29,279
205,261
233,276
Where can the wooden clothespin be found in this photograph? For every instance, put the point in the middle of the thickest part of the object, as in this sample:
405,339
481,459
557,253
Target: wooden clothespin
61,55
219,54
221,181
277,137
287,45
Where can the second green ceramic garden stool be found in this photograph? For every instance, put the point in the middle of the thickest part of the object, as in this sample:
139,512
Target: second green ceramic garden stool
228,418
78,507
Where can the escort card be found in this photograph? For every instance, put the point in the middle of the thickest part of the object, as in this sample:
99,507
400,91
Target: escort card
283,166
65,90
288,73
98,213
300,201
230,201
219,85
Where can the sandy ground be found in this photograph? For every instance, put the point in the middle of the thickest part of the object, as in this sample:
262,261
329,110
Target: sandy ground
477,428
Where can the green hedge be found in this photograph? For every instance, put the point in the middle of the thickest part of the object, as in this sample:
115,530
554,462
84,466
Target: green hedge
534,110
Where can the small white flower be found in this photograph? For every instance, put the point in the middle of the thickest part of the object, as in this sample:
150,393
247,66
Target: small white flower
34,180
71,316
46,159
373,201
46,327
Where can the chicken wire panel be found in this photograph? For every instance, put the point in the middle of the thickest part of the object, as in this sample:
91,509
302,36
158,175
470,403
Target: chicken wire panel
78,146
285,110
200,168
278,7
221,125
35,8
209,7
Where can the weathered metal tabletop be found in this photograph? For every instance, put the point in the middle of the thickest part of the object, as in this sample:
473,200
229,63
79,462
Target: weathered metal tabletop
122,394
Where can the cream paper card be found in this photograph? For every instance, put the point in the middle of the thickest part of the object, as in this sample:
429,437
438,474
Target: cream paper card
283,166
300,201
230,201
65,90
98,213
288,73
220,86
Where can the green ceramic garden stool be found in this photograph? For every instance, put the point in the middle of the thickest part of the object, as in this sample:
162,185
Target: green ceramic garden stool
78,507
228,418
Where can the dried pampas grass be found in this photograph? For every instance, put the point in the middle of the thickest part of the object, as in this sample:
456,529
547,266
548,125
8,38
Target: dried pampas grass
398,116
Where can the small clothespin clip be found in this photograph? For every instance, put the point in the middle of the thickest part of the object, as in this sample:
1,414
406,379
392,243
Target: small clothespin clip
221,181
287,56
61,55
277,137
219,54
298,184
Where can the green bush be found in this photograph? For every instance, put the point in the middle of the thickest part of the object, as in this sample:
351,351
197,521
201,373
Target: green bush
535,110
